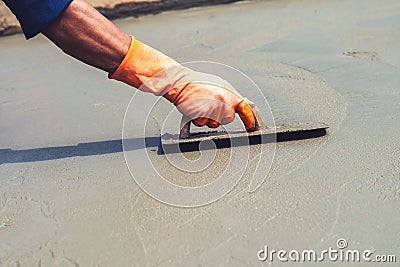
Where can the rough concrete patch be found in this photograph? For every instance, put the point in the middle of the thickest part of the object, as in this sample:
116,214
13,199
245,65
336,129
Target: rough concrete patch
8,22
114,9
136,9
372,56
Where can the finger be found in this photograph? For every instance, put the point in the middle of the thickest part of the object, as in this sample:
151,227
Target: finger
199,122
246,115
212,123
229,117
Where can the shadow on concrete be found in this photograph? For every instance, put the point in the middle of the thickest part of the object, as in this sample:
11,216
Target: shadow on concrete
81,150
115,146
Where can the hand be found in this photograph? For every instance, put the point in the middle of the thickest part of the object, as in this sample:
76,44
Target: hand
206,99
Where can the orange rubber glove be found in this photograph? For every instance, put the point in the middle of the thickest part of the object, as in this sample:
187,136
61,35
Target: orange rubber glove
205,98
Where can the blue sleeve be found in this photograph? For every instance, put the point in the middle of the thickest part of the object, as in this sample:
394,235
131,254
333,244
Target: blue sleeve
35,15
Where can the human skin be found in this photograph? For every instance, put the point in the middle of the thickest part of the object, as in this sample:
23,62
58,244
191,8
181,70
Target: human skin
83,33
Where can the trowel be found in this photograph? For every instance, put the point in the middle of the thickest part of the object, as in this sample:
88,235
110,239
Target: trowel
185,141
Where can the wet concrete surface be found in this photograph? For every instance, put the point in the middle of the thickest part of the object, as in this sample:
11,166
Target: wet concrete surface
67,197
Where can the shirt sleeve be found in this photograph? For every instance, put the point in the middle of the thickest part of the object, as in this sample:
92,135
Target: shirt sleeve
35,15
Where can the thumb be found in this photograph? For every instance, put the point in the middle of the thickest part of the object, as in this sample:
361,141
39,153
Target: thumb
246,115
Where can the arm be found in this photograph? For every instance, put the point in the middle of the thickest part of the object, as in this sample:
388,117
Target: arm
85,34
82,32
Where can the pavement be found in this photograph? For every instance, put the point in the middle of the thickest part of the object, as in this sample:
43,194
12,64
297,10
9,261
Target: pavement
67,197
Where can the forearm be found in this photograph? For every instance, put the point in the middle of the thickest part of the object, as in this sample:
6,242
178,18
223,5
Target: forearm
82,32
85,34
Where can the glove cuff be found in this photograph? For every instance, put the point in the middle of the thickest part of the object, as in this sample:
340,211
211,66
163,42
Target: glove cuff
148,70
121,73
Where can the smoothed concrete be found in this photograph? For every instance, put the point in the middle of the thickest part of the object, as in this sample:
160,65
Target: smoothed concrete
68,198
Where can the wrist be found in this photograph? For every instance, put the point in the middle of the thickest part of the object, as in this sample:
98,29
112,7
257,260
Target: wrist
140,64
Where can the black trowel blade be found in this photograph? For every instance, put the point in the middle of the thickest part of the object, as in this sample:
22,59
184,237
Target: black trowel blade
171,143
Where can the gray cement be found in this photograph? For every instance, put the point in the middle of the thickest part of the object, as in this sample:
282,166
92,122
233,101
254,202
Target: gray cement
67,198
